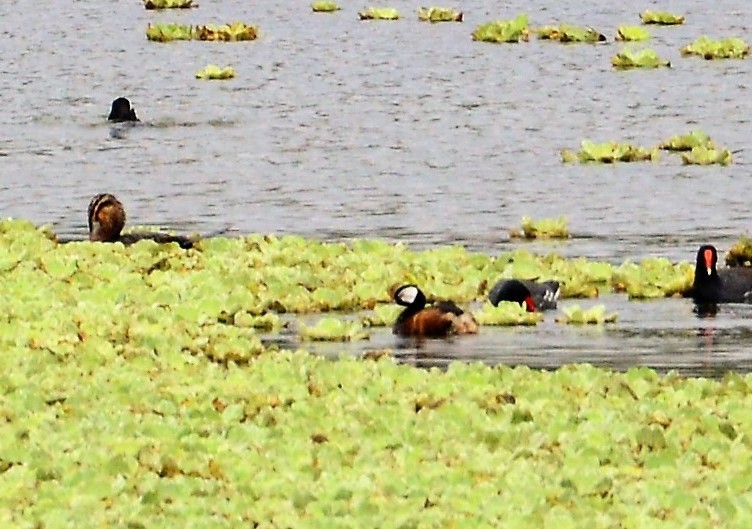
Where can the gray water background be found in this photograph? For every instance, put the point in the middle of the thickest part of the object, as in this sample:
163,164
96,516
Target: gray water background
404,131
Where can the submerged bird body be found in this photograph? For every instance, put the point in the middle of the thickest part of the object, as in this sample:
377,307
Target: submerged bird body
439,320
122,111
106,218
536,296
727,285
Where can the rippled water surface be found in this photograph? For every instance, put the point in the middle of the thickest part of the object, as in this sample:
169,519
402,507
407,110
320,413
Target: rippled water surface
336,128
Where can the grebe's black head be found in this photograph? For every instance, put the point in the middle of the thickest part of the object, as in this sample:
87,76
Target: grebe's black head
122,111
410,296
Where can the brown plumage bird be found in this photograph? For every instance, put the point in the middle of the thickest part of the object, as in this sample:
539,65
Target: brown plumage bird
107,220
439,320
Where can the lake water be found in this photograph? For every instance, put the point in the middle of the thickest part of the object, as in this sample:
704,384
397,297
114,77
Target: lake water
405,131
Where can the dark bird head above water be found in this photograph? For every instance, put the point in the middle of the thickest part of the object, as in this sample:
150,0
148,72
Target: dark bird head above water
122,111
707,259
106,218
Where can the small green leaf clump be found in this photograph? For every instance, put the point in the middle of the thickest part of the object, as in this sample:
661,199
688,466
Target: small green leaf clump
542,229
731,48
439,14
647,58
687,142
566,33
325,7
507,313
663,18
609,153
706,155
169,4
740,254
632,33
379,13
592,316
213,71
233,32
169,32
515,30
334,330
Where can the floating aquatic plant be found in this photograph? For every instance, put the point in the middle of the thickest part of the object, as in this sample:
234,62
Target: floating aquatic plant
557,228
661,18
632,33
334,330
324,7
169,4
507,313
731,48
382,315
740,254
647,58
687,142
213,71
609,153
169,32
439,14
566,33
235,31
379,13
515,30
706,155
652,278
592,316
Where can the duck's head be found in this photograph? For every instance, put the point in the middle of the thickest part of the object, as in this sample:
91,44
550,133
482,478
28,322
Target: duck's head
106,218
707,258
122,111
409,296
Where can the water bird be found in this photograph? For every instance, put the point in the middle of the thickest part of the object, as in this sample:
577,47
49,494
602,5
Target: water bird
122,111
727,285
537,296
107,220
440,319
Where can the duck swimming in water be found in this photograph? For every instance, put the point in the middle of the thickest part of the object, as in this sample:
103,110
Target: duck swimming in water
122,111
107,220
439,320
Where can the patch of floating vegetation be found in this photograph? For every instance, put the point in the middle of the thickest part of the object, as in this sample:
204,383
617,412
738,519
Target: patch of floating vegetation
233,32
593,316
630,59
662,18
379,13
566,33
608,153
332,329
731,48
499,31
325,7
378,442
740,254
686,142
439,14
211,300
706,155
632,33
169,4
507,313
213,71
557,228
